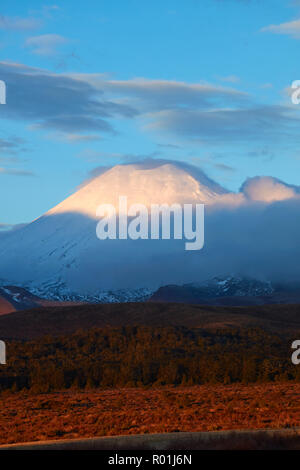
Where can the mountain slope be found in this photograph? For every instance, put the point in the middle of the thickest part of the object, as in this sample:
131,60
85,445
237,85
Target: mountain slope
166,183
60,251
13,299
251,234
229,291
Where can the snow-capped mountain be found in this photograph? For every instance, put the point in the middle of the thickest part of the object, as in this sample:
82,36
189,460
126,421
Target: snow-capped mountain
62,294
217,291
59,252
216,288
164,183
230,291
252,234
233,286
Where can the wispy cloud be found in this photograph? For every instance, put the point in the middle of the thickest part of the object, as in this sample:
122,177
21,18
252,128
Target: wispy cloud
224,167
18,23
46,44
230,79
263,152
11,146
291,28
170,146
92,155
166,94
10,150
266,86
74,138
52,101
202,111
15,172
81,107
229,125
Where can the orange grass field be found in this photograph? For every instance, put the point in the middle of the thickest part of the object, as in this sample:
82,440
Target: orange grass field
72,414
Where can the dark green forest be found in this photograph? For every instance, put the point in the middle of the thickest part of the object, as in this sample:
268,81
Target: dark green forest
147,356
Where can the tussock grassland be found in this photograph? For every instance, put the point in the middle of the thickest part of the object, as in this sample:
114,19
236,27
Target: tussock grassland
75,414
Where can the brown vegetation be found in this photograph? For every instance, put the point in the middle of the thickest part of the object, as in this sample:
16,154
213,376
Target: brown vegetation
74,414
147,356
134,368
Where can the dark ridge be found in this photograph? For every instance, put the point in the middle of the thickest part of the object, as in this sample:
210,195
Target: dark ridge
63,320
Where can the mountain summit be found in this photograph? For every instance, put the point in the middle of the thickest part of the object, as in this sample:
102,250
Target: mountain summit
250,234
160,183
60,250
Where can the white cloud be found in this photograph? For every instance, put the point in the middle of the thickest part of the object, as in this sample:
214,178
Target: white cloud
291,28
268,189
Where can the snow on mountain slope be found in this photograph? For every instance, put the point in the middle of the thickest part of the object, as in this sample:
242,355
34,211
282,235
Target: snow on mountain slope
14,298
253,234
60,250
167,183
221,291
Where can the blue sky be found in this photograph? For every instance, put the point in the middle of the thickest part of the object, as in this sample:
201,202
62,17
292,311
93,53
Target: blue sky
98,83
